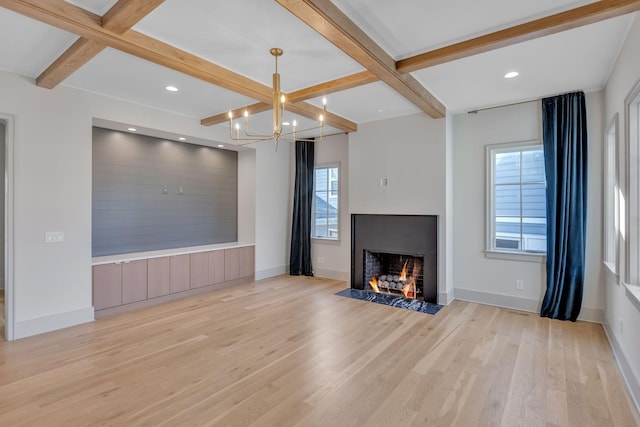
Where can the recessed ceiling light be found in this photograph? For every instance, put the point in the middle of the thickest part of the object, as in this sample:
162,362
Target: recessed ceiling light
220,146
182,138
132,129
171,88
286,123
511,74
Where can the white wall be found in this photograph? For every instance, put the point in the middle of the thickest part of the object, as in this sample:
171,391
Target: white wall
411,152
492,281
332,259
52,138
621,314
273,211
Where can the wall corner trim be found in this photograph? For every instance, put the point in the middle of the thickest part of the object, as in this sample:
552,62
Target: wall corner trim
40,325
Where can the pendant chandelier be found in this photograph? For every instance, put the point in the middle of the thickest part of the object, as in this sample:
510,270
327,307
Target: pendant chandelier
242,133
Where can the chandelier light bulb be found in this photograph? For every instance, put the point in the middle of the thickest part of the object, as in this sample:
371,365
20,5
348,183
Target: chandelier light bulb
230,115
322,117
246,113
324,101
237,126
282,98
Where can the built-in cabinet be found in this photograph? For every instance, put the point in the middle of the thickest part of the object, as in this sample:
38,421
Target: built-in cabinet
134,281
159,277
125,282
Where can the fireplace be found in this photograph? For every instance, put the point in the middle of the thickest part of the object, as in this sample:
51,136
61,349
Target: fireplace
395,274
395,254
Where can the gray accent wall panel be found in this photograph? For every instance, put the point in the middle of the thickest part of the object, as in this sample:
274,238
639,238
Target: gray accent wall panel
131,212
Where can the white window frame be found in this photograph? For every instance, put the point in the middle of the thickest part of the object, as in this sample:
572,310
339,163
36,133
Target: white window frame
632,204
610,214
313,206
490,250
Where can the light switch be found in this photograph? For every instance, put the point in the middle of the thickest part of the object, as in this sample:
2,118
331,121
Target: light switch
54,236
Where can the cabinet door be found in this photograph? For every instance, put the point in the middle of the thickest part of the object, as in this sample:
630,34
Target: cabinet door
159,277
200,270
216,267
180,277
134,281
247,261
231,264
107,286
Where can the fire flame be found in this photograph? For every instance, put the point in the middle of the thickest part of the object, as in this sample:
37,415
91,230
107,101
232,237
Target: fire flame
374,284
403,274
409,289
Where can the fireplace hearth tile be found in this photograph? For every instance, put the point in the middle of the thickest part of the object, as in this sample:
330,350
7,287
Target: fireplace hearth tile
391,300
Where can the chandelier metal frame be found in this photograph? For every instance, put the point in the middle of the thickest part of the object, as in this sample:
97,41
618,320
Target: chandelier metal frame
245,136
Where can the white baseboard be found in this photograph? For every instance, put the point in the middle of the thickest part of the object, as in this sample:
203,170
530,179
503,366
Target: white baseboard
623,364
445,298
331,274
271,272
27,328
587,314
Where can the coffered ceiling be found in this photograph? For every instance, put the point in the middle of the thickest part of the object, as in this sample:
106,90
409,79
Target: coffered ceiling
375,59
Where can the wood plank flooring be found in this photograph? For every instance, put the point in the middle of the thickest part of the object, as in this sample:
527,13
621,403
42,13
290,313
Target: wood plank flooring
288,352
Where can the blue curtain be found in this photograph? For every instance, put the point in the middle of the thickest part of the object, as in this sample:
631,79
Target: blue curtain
564,129
300,258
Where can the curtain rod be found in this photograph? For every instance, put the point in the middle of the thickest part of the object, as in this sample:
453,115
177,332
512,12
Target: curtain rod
475,111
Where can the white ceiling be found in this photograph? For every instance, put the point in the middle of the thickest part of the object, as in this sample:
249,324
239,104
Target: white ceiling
238,35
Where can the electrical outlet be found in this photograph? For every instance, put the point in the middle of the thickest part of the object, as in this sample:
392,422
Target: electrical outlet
519,284
384,182
54,236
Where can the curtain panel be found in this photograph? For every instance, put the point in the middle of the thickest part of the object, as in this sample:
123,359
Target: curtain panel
300,258
564,127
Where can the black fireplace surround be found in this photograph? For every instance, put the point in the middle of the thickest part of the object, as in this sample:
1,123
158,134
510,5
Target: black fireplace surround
415,235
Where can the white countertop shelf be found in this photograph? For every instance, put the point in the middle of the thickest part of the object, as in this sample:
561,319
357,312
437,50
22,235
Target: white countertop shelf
134,256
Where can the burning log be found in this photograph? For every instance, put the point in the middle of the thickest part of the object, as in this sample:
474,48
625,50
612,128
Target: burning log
409,290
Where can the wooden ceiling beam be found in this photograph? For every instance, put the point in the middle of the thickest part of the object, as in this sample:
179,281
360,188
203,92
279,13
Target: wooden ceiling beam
74,19
78,54
332,86
329,21
326,88
126,13
256,108
121,17
567,20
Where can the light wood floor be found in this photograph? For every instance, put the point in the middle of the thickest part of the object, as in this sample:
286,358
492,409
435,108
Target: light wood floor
286,352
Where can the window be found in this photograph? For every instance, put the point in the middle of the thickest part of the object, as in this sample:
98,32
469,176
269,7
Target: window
632,202
517,217
326,212
611,196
